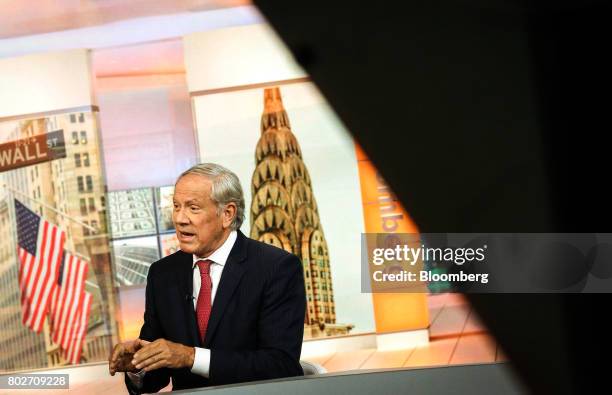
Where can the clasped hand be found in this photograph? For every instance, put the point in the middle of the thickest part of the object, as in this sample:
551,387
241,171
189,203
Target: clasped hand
134,355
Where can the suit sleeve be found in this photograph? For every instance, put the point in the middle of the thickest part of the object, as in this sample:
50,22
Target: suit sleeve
151,330
280,331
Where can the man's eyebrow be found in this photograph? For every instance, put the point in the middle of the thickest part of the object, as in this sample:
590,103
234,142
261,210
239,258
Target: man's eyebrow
188,202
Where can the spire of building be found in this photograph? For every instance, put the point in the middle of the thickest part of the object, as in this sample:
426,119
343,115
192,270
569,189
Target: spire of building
274,114
284,213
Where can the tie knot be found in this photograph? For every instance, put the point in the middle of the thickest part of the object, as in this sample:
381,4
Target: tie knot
204,266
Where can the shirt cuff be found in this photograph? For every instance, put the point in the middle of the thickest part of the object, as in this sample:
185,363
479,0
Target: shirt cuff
201,362
136,378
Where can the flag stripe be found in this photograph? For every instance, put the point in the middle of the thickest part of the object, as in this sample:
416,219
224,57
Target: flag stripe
79,288
51,282
29,263
46,262
72,330
20,253
52,307
62,292
30,270
83,328
33,279
60,296
24,269
40,245
36,265
77,336
38,268
72,312
75,272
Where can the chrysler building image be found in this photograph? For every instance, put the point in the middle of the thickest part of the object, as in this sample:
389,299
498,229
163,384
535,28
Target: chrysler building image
284,213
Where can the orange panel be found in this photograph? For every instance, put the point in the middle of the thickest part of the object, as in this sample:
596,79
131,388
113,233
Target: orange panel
396,220
400,311
384,214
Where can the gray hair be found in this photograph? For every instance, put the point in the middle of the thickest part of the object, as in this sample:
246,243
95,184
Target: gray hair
225,188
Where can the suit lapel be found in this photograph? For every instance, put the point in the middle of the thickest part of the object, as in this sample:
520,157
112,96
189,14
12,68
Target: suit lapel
185,281
232,274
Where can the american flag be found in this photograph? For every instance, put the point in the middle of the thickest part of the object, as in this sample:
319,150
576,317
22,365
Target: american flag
76,336
40,247
67,296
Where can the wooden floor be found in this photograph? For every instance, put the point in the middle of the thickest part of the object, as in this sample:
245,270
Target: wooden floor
456,337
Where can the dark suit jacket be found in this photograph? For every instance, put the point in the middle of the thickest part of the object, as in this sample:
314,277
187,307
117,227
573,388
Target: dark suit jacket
256,325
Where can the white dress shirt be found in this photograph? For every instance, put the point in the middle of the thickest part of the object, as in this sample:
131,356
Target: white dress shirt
201,361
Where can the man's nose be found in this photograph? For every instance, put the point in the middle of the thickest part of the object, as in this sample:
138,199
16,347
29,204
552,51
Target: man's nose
180,217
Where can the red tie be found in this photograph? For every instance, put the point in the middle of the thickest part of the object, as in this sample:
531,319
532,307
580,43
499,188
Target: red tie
203,305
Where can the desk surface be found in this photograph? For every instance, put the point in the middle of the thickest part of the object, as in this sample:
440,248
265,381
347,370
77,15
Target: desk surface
485,379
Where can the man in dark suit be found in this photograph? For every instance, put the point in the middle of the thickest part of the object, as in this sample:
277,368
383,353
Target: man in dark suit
225,308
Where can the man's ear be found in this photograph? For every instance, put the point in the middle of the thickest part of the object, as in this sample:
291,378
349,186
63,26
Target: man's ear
229,213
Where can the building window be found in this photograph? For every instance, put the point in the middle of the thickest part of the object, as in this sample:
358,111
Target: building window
81,185
85,229
92,204
81,117
72,118
83,137
77,160
86,159
75,137
83,207
89,184
94,224
102,201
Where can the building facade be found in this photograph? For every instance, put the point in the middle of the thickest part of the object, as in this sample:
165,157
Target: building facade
74,186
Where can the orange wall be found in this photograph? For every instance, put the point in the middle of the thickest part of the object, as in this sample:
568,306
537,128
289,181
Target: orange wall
383,213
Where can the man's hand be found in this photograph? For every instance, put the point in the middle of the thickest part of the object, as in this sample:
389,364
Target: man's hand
163,353
120,359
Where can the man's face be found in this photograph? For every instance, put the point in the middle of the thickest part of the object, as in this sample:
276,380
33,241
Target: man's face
199,228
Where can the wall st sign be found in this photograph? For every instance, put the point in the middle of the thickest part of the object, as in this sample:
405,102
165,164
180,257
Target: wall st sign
32,150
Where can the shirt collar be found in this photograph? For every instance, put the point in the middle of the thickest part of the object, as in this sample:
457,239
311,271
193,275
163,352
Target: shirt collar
220,255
